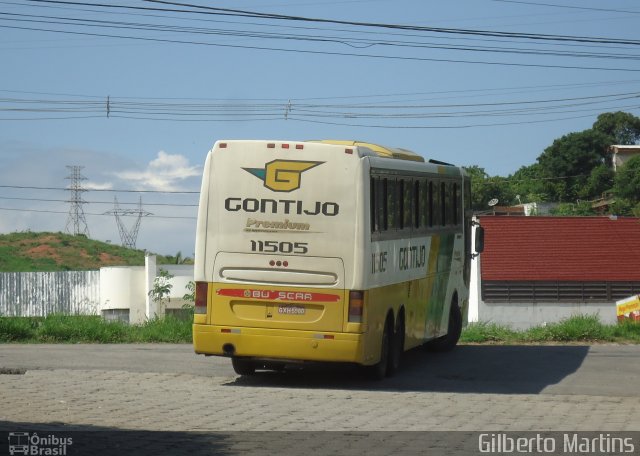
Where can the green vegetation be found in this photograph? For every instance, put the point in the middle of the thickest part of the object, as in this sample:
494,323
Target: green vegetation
574,170
93,329
584,328
28,251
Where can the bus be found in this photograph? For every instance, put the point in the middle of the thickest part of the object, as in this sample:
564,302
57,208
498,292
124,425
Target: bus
329,251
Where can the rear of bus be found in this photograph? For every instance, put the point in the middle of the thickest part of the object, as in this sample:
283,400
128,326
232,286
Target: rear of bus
276,235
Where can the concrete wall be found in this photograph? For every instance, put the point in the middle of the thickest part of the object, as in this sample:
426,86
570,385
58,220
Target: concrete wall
527,315
127,288
122,292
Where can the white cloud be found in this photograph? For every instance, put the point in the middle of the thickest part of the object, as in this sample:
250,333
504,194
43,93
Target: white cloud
165,173
39,209
98,186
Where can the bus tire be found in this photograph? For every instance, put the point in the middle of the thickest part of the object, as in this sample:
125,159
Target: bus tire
397,346
450,340
243,366
379,370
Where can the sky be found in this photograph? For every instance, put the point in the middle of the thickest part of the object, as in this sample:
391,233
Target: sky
136,92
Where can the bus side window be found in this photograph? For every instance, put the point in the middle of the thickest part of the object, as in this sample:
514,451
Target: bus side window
392,204
382,204
407,198
424,204
373,206
467,194
401,203
416,204
378,205
444,203
432,198
382,187
455,196
437,205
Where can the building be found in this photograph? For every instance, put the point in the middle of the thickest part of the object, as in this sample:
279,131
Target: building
621,154
536,270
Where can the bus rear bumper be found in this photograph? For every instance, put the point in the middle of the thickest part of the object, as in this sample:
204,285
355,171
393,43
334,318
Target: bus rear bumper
278,344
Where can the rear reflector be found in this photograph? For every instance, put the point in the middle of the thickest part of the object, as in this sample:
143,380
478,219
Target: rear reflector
356,306
202,290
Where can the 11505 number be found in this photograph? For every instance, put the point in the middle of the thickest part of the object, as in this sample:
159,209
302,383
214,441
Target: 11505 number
279,247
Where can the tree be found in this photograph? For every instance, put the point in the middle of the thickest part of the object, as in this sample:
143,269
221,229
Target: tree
161,289
599,182
484,188
528,183
583,208
570,160
621,127
627,180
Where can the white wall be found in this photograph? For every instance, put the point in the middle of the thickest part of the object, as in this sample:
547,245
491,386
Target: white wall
527,315
122,288
127,288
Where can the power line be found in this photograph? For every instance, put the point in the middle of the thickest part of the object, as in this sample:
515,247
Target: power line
46,200
583,8
90,214
351,41
357,42
102,190
330,53
490,91
389,109
244,13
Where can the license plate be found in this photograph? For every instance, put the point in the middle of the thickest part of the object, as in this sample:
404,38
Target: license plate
291,310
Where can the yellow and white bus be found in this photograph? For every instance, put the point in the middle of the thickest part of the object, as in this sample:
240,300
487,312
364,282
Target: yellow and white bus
336,251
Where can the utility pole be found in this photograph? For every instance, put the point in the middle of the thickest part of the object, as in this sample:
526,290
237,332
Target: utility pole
76,222
128,237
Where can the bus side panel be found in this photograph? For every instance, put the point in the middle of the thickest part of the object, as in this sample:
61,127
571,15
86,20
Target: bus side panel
378,302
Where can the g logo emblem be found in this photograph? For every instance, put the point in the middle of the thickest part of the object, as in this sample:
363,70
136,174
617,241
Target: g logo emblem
282,175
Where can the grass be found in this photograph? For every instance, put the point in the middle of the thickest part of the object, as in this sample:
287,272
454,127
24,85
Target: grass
28,252
93,329
581,328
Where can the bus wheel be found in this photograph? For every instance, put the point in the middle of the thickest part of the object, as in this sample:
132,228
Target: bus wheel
449,341
243,366
379,371
397,347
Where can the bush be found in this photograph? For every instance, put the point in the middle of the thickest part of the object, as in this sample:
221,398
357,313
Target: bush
14,329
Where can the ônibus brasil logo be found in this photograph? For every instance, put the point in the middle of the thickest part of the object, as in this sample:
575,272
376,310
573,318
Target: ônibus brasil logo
282,175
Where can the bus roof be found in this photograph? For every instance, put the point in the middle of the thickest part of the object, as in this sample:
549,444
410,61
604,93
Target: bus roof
382,151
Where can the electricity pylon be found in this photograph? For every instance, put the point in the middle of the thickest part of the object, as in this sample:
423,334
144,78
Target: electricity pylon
128,236
76,222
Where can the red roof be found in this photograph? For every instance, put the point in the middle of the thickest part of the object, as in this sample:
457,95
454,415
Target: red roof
585,249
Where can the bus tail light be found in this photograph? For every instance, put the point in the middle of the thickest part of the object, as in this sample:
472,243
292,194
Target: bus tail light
356,306
202,290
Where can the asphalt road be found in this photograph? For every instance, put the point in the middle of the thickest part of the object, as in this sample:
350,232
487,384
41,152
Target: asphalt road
597,370
166,397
